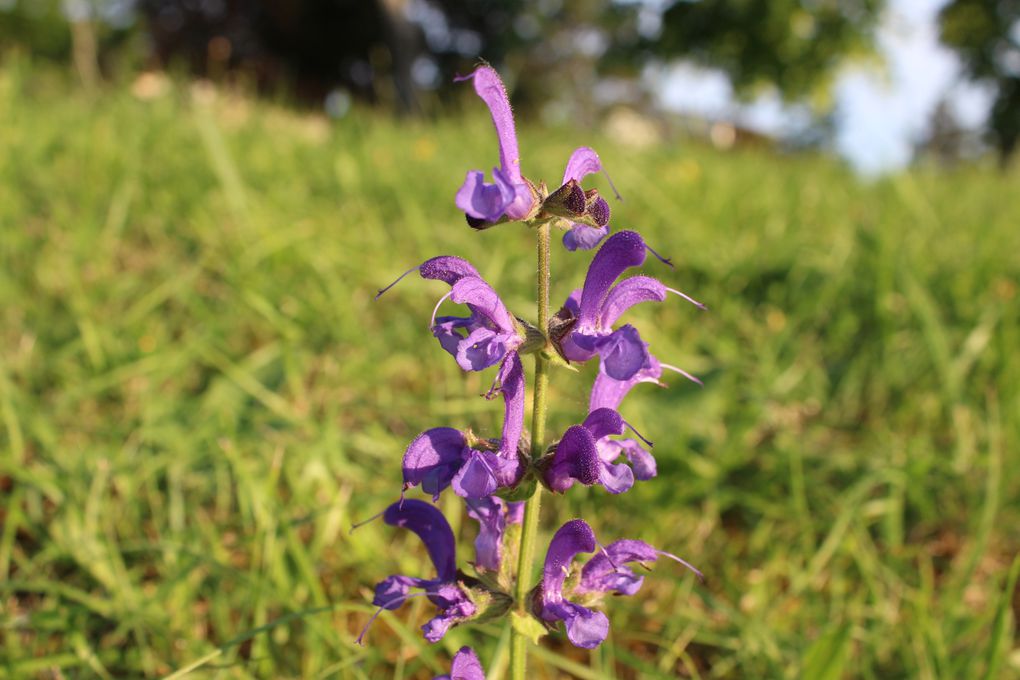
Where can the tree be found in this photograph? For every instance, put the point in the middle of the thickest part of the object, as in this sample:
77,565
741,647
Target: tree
795,45
986,36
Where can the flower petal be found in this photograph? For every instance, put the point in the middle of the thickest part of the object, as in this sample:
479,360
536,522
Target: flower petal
511,385
623,353
576,459
604,422
490,88
622,250
583,162
391,592
490,512
628,293
447,268
483,299
642,462
616,478
433,458
521,200
604,572
583,237
586,628
432,528
446,332
477,477
454,606
466,666
484,201
571,539
608,392
482,348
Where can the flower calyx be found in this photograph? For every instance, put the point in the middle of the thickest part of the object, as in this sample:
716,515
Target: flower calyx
574,204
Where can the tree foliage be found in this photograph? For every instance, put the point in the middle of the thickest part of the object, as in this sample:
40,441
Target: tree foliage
795,45
986,36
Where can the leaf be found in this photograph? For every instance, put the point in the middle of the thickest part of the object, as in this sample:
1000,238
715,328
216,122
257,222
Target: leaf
528,626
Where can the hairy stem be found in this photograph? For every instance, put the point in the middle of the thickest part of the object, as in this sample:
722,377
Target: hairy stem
532,507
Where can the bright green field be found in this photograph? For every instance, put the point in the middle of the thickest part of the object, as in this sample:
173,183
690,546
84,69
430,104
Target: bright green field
198,396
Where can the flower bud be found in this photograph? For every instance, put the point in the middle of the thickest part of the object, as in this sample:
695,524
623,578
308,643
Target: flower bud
569,201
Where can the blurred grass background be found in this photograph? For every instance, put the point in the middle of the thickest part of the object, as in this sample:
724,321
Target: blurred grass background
199,396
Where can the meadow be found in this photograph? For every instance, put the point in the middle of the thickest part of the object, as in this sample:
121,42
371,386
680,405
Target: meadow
199,396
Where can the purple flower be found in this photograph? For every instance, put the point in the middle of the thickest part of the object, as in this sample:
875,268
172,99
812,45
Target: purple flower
585,454
602,574
489,334
585,627
599,304
477,341
466,666
444,591
583,162
442,456
605,572
510,195
493,515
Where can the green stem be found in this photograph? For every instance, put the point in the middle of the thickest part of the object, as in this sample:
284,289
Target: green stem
532,507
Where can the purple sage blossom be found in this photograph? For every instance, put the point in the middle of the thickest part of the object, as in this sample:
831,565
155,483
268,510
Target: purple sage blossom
598,305
465,666
489,334
510,195
605,573
444,591
602,574
493,515
443,456
478,341
587,455
586,628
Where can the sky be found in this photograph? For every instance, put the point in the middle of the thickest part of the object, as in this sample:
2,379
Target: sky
880,112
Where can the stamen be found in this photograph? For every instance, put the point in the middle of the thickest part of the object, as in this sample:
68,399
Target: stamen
399,598
495,387
664,260
436,309
683,373
383,290
605,552
373,517
687,297
701,577
611,185
360,641
639,435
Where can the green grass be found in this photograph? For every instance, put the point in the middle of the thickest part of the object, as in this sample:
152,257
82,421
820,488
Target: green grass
198,396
